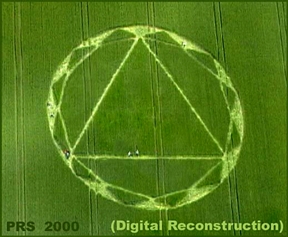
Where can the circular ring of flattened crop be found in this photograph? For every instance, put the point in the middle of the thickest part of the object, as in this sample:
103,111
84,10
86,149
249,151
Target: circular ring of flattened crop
195,192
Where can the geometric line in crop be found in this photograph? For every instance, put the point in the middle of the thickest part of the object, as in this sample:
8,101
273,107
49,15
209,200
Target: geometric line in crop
226,161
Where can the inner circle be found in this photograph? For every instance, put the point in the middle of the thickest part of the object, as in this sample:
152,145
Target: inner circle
229,155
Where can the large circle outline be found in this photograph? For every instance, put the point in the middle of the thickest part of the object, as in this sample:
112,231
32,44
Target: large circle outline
100,186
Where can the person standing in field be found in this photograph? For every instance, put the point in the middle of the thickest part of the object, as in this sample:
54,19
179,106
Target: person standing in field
66,153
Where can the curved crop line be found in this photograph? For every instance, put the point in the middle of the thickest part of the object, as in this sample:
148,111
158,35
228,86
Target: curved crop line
193,193
194,186
70,71
230,127
102,184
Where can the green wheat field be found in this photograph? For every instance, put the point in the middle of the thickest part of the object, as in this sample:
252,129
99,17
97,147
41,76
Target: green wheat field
143,112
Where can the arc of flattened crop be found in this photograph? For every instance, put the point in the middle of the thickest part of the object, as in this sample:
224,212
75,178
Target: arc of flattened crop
193,193
184,96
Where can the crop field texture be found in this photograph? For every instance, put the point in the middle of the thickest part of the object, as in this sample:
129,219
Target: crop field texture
144,112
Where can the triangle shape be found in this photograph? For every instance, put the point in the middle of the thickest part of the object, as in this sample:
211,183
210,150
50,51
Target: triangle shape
125,117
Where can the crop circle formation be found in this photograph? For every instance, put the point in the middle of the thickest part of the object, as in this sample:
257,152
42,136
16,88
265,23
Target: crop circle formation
230,153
